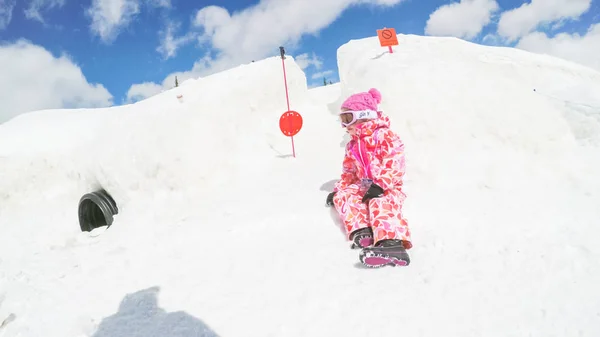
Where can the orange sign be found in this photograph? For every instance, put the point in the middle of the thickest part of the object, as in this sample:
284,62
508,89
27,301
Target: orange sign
387,37
290,123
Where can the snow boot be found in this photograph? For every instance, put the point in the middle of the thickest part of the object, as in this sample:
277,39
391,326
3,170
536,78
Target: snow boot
385,253
362,238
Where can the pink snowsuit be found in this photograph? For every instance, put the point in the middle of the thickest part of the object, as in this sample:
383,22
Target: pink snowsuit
376,153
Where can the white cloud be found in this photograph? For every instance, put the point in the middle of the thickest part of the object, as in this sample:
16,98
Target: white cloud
37,6
159,3
144,90
305,60
574,47
520,21
6,10
322,74
464,19
109,17
210,18
138,92
492,40
33,79
257,31
169,43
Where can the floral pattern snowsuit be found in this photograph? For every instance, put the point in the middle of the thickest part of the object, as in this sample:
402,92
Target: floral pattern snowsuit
376,153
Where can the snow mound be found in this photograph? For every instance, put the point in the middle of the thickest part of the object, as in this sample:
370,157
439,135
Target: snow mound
503,155
325,94
222,233
170,142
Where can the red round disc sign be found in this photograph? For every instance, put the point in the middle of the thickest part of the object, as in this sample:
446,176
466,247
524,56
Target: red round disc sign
290,123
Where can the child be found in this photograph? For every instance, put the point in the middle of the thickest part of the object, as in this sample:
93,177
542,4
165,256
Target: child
369,195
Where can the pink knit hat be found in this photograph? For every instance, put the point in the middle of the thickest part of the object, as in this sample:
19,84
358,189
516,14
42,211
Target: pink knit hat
363,101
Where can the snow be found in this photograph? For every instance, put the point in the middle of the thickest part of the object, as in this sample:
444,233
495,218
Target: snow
222,232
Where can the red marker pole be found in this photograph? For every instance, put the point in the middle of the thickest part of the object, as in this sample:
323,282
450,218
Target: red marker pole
391,50
287,98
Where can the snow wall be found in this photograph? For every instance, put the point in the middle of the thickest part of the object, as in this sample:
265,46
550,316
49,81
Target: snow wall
151,148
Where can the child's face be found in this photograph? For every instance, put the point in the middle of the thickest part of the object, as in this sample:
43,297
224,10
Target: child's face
352,128
347,118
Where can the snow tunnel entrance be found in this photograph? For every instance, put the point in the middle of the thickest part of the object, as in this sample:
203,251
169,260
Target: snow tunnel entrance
96,209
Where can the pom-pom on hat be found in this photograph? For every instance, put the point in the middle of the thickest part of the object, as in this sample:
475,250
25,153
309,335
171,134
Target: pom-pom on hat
363,101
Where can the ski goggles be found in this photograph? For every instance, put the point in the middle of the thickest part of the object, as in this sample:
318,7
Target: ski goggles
350,117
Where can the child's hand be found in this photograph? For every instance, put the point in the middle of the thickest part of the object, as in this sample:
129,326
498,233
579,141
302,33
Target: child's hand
375,191
330,199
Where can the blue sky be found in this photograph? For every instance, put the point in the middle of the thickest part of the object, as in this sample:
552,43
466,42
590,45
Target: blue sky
129,53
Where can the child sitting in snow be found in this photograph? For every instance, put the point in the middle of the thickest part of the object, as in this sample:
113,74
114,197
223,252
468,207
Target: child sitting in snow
369,195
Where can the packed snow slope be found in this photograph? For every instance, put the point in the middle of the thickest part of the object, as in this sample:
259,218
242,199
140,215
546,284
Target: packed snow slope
221,232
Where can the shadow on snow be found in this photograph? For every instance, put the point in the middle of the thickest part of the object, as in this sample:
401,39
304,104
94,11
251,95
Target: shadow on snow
139,315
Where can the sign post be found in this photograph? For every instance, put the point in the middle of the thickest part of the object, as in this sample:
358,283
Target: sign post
290,122
387,38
